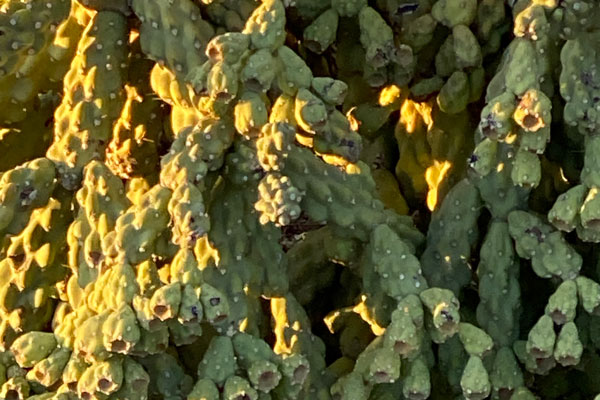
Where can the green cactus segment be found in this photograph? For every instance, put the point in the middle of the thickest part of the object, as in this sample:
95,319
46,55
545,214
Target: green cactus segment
165,301
506,375
72,372
273,145
330,90
133,150
459,51
190,309
475,340
176,92
282,110
30,30
49,371
568,348
103,378
541,339
402,334
520,68
589,294
195,151
310,112
548,251
419,25
279,200
236,252
454,94
496,116
228,47
258,72
236,387
383,273
259,360
475,382
564,214
204,389
266,25
428,86
166,377
293,73
444,317
303,353
16,387
454,12
412,305
32,348
135,381
518,109
321,33
228,15
33,265
120,330
498,271
417,382
533,115
466,47
378,364
26,30
250,114
330,198
522,393
22,190
562,305
168,33
589,172
350,386
101,202
137,230
93,97
376,37
451,235
578,87
589,216
497,189
222,82
527,169
338,139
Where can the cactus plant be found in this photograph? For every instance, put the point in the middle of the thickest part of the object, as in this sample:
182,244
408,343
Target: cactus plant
271,199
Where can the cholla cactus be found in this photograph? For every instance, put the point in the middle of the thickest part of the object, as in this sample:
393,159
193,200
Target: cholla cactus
210,199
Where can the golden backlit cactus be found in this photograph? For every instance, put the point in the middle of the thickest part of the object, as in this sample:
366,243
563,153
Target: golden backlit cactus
271,199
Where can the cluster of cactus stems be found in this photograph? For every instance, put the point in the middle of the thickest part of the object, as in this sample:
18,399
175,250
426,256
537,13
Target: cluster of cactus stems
308,199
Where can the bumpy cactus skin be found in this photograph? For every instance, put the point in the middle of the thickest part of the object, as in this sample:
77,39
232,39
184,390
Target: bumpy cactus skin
84,120
286,200
37,46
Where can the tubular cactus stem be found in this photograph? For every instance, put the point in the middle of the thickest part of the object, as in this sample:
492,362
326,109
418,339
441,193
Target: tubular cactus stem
190,188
